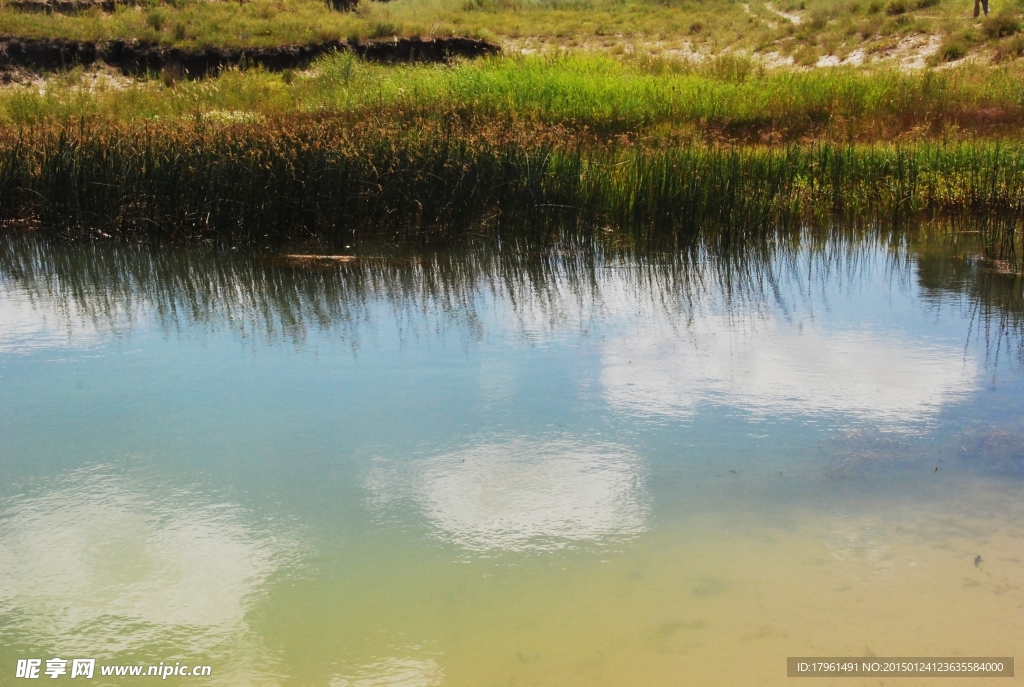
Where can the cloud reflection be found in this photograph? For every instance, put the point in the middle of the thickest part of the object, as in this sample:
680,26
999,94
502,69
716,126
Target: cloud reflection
520,495
99,563
772,367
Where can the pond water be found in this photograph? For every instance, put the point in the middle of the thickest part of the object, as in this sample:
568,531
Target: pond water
505,468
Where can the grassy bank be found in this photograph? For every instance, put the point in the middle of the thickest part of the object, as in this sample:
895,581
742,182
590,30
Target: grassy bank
287,180
528,147
803,31
641,99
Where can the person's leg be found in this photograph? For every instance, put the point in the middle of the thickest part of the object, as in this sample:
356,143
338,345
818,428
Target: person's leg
977,7
984,3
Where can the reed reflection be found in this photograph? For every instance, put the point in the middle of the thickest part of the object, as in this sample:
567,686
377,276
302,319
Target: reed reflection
90,289
116,287
990,293
26,325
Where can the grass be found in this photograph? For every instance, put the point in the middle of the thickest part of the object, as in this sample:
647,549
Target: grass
276,182
641,99
663,124
642,148
826,28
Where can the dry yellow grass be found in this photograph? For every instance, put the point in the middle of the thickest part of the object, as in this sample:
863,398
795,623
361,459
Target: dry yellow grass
799,32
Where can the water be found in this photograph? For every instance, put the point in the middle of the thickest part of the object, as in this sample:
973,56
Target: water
505,469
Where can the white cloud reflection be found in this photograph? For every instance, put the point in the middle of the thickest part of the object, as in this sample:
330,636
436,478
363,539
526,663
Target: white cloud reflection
520,495
769,366
97,564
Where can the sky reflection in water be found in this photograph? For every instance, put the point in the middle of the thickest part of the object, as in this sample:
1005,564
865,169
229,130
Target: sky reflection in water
520,495
96,560
771,368
478,468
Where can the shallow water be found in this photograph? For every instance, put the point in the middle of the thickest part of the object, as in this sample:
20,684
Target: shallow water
488,469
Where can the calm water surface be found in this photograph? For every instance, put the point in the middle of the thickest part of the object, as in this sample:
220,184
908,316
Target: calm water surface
499,469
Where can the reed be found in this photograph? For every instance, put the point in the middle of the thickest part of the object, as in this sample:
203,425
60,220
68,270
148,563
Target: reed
287,180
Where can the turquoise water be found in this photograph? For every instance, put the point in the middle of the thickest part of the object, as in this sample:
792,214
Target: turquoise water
492,468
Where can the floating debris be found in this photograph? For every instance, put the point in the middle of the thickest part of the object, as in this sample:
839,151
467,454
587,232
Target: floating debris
320,258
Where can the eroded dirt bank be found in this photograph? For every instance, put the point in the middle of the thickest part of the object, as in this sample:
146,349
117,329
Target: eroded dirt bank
134,58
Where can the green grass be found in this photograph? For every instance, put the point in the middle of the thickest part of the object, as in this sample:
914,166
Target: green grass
273,22
642,99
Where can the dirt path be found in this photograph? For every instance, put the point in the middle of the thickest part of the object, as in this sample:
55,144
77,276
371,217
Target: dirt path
795,18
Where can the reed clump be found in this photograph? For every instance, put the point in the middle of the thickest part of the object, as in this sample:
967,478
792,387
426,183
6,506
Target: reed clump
283,180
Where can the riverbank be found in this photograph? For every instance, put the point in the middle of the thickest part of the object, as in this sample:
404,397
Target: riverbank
511,147
800,33
133,58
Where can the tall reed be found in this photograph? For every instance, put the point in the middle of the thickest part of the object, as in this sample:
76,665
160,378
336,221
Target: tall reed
287,179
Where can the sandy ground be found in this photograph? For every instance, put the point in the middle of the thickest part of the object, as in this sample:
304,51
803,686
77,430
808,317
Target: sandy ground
909,53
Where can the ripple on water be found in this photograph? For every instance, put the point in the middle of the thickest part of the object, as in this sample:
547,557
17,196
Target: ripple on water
393,672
